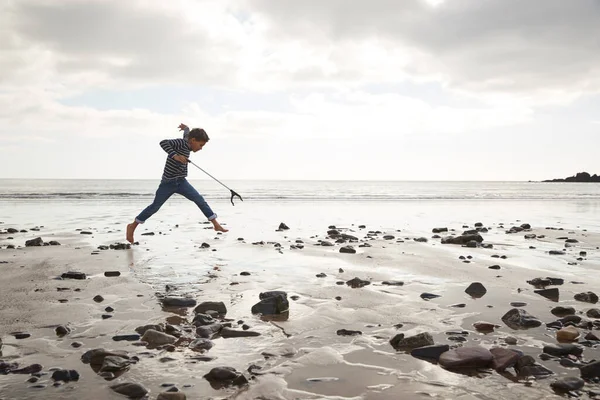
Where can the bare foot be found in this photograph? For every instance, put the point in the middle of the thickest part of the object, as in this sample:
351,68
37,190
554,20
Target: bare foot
130,229
219,228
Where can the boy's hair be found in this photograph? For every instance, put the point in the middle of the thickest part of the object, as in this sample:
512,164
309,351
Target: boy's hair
199,134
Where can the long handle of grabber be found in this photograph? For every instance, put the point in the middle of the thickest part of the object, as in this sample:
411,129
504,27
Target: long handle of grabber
191,162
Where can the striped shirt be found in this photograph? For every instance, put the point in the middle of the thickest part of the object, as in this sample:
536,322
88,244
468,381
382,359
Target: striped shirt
174,169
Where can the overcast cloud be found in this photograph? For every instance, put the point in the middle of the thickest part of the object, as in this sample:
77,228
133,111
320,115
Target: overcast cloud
414,89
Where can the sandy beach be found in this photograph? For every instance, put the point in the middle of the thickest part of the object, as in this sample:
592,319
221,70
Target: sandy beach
339,339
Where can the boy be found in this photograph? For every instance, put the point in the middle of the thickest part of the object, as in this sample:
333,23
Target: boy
173,179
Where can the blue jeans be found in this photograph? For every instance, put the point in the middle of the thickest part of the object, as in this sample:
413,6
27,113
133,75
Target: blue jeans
166,189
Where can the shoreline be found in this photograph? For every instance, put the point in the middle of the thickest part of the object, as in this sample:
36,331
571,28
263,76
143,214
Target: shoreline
307,358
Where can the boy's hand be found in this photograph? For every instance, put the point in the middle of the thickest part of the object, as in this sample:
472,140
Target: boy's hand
181,159
182,127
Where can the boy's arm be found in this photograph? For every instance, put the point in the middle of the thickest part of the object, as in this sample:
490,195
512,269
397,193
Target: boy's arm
186,131
167,145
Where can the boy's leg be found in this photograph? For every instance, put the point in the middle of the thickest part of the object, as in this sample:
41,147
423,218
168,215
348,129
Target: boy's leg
164,191
189,192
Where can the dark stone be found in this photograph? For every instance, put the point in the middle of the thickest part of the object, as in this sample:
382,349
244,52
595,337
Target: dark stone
203,319
221,377
439,230
567,384
232,333
34,242
593,313
31,369
466,357
21,335
65,375
321,275
587,297
462,240
276,304
217,306
393,283
204,245
399,342
560,350
550,294
518,304
476,290
53,243
557,252
519,319
504,358
115,364
112,273
591,370
345,332
244,273
420,240
129,338
62,330
178,302
283,226
429,296
131,390
357,283
98,299
432,352
494,267
208,331
73,275
347,249
561,311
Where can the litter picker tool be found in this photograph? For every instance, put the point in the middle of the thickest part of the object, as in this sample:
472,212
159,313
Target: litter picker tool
233,193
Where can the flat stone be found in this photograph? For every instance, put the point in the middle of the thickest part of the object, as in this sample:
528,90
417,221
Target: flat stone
593,313
131,390
561,350
201,344
591,370
64,375
217,306
232,333
179,302
429,296
432,352
225,376
484,326
399,342
550,294
346,332
561,311
112,274
587,297
466,357
567,384
347,249
171,396
504,358
73,275
392,283
356,283
155,338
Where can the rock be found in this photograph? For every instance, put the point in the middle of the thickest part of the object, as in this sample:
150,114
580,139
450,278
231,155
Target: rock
232,333
321,275
392,283
347,249
550,294
204,245
484,327
201,344
439,230
272,303
156,338
420,240
561,350
466,357
399,342
561,311
178,302
98,299
476,290
556,252
65,375
345,332
131,390
245,273
432,352
62,330
225,376
567,384
73,275
326,243
494,267
568,334
34,242
462,240
171,396
31,369
112,273
217,306
504,358
518,304
357,283
53,243
283,227
429,296
519,319
95,357
510,340
587,297
593,313
128,338
208,331
203,319
21,335
591,370
389,237
526,366
530,236
115,364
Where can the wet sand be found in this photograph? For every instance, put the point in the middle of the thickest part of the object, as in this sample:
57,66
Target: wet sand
301,356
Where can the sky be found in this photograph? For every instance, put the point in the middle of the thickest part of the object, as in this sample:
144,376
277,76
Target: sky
312,89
